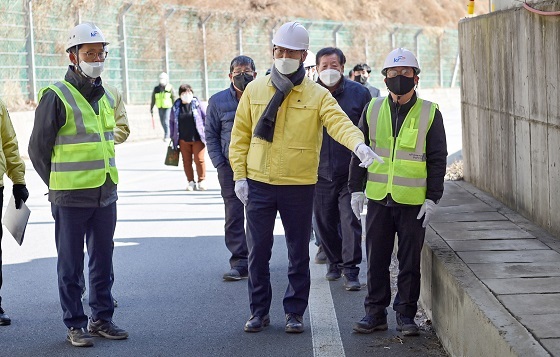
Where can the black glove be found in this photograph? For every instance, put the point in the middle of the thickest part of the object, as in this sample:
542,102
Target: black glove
20,194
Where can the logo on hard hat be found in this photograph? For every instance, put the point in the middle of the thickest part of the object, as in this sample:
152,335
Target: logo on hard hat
398,59
94,33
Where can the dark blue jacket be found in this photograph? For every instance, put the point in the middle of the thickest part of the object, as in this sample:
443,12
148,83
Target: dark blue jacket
335,158
219,121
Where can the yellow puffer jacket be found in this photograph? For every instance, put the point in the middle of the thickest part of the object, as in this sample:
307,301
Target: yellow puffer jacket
293,156
11,163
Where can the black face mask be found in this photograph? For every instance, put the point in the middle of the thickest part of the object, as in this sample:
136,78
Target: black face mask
400,85
241,80
360,79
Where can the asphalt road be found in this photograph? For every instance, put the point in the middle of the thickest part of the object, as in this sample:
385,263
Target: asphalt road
169,259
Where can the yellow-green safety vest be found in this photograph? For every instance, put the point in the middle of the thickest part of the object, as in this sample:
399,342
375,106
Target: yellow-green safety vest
404,173
84,149
163,99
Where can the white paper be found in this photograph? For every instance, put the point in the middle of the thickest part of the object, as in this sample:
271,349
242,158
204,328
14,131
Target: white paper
15,220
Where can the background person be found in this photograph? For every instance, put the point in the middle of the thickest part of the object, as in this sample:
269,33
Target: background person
12,165
361,75
163,98
187,132
219,122
77,122
339,229
402,192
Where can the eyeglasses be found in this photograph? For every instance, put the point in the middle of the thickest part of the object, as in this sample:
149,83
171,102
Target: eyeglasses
278,52
92,56
407,72
235,74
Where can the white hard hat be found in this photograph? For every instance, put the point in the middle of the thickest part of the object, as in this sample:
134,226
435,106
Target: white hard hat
309,60
400,57
292,35
163,75
86,32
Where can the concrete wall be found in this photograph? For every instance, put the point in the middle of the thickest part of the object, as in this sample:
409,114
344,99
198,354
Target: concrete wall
511,109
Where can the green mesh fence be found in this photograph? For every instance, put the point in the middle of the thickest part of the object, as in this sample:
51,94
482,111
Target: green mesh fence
147,40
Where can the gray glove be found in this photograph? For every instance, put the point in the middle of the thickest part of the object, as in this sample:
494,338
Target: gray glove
427,210
357,203
242,190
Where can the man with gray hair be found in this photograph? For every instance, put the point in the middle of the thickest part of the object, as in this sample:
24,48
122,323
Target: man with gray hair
219,121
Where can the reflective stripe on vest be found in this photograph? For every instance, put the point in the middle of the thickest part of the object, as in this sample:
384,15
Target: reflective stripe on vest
163,99
84,151
403,175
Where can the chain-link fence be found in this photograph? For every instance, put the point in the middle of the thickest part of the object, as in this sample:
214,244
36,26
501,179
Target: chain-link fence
192,46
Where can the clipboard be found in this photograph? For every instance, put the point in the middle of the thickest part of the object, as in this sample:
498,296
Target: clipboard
15,220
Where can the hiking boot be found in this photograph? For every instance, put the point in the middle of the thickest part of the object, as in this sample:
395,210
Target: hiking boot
256,323
106,329
79,337
191,186
407,325
202,185
235,275
333,273
371,323
351,282
4,319
294,323
320,257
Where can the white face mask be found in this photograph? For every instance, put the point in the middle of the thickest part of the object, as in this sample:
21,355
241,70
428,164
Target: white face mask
187,97
286,65
162,82
330,77
92,69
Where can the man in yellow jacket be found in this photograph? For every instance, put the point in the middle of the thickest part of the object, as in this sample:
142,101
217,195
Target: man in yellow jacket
12,165
274,153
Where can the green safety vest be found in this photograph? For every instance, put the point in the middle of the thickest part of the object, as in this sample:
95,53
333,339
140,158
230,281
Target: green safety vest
403,174
84,149
163,99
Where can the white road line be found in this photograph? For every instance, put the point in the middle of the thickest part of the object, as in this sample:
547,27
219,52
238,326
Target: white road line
324,324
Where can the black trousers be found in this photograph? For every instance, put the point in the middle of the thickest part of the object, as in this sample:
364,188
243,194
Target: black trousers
97,225
332,211
295,205
382,223
236,241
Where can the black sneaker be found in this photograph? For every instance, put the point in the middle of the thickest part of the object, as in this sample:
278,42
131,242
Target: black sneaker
351,282
235,274
371,323
333,273
407,325
4,319
106,329
320,257
79,337
294,323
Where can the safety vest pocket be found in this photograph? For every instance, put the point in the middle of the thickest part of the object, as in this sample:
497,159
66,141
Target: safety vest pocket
80,147
408,137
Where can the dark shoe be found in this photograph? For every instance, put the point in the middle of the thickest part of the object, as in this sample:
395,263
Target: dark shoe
371,323
256,323
234,275
320,257
79,337
407,325
115,302
294,323
351,282
106,329
333,273
4,319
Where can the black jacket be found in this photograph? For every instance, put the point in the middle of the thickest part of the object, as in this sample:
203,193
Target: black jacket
335,158
50,116
436,153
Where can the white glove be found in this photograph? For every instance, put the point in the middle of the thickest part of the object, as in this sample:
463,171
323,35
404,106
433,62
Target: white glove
242,190
428,210
366,155
357,203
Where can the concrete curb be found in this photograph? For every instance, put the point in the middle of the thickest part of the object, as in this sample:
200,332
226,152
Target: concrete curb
467,317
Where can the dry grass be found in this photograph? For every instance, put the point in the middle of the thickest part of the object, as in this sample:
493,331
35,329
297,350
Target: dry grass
454,171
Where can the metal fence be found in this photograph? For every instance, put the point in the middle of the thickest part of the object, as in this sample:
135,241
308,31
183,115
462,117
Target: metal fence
192,46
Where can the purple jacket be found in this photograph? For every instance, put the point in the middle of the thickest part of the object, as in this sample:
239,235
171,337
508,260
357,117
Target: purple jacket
199,120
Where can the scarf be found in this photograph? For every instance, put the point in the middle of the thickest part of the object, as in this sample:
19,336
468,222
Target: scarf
265,127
